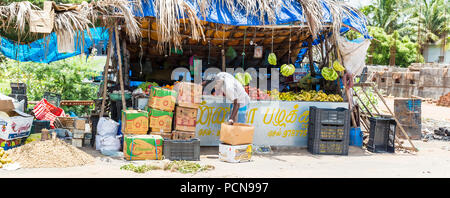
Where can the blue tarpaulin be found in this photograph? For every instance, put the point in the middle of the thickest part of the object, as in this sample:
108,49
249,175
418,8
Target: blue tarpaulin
219,13
46,50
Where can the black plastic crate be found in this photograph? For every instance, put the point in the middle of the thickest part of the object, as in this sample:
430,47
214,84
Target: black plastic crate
328,147
188,150
18,88
338,116
53,98
328,132
328,124
38,125
382,135
21,97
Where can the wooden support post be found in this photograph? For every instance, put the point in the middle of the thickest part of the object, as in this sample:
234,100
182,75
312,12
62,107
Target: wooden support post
310,56
223,60
119,58
105,72
395,118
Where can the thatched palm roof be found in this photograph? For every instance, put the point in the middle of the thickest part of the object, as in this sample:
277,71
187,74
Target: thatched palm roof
171,15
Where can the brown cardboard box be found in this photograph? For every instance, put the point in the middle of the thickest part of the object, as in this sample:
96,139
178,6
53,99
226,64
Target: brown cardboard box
165,135
236,134
134,122
160,121
183,135
80,124
185,119
162,99
189,94
143,147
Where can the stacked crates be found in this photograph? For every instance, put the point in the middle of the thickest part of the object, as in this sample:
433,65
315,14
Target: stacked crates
328,131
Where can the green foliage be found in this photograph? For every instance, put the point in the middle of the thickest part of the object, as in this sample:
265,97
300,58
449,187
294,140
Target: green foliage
139,169
62,77
380,48
186,167
367,101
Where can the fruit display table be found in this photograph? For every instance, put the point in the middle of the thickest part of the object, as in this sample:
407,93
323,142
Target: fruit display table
277,123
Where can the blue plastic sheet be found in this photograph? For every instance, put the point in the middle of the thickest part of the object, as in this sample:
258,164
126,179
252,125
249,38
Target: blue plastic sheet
46,50
219,13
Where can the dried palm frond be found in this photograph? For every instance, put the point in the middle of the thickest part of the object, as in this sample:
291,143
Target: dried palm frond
168,14
16,15
118,8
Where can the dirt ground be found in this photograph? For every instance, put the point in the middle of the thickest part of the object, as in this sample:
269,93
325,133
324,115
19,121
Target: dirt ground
433,160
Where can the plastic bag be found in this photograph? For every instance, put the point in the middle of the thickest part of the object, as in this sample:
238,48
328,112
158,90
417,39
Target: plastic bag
107,126
107,143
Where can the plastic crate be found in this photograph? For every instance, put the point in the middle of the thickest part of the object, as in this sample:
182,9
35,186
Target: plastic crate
328,132
338,116
188,150
328,124
38,125
18,88
328,147
53,98
382,135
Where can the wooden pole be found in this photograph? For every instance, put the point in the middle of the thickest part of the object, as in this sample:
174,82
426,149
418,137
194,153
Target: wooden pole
105,72
223,60
122,89
395,118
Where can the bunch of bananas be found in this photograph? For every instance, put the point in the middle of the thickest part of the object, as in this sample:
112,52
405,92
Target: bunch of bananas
287,70
306,96
243,78
4,159
272,59
329,74
337,66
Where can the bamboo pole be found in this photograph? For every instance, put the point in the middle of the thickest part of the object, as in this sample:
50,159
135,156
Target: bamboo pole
122,89
395,118
105,72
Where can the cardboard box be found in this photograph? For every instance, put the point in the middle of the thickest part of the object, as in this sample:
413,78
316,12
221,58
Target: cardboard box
162,99
236,134
80,124
185,119
160,121
183,135
143,147
134,122
13,124
165,135
235,154
189,94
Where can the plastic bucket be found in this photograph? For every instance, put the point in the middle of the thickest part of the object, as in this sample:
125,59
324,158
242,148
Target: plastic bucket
356,137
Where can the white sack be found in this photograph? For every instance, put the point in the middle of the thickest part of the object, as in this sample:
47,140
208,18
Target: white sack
353,54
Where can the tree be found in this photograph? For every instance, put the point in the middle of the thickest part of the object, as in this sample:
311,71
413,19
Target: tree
386,14
383,43
63,77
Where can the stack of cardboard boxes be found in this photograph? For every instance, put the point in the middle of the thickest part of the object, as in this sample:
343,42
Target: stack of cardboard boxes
188,101
160,108
236,142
